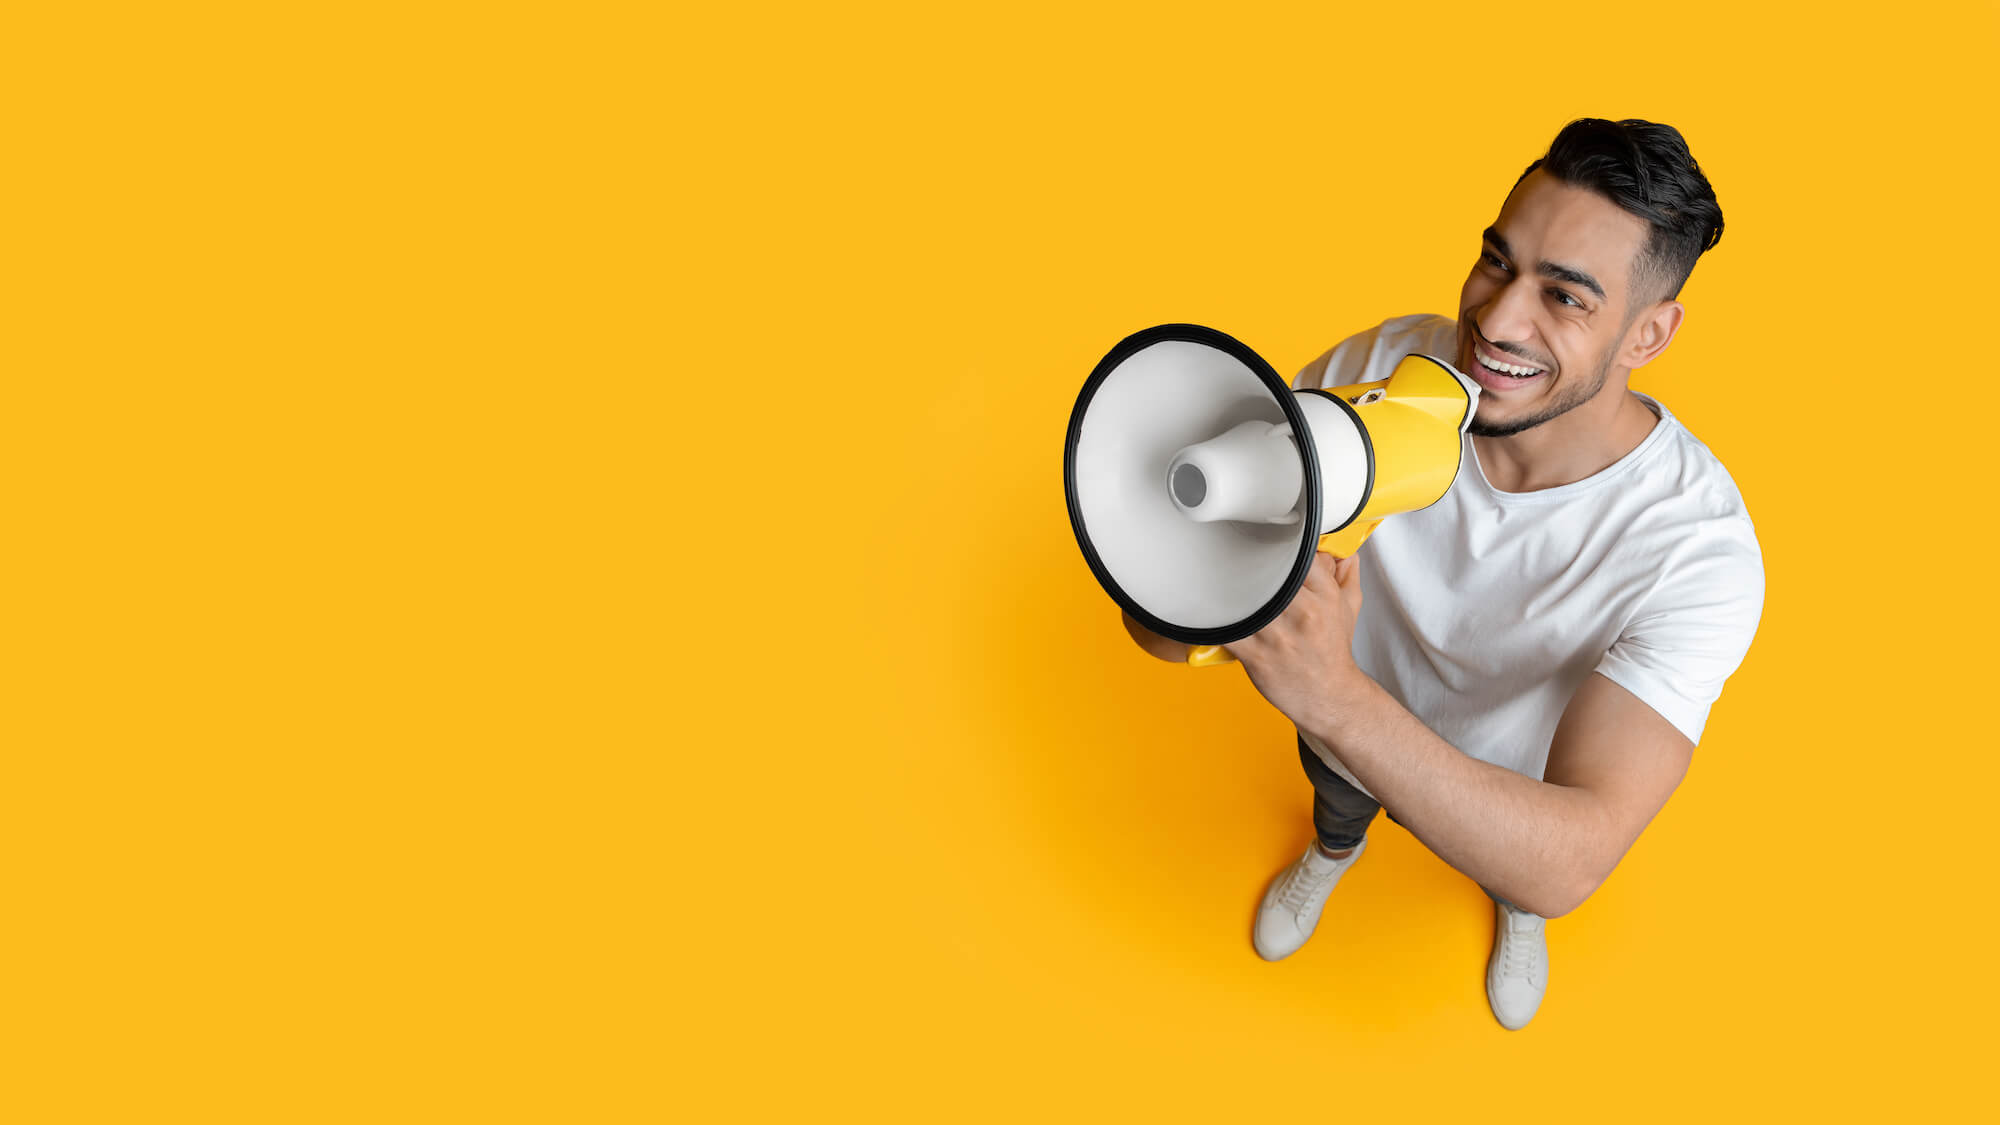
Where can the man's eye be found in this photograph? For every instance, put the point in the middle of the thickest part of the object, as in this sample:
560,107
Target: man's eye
1487,256
1565,298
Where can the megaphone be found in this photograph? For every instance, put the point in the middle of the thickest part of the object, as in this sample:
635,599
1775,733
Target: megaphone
1200,484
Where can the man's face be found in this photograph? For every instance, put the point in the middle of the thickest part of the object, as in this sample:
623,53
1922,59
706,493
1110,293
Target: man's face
1550,293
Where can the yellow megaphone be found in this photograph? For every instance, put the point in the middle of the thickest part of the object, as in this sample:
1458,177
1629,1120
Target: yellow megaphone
1200,484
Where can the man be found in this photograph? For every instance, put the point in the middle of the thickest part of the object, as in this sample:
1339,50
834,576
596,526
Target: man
1539,650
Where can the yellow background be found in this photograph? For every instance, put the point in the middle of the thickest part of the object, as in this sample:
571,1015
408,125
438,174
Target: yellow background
543,590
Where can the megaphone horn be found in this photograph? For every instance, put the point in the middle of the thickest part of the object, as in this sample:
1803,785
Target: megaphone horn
1200,484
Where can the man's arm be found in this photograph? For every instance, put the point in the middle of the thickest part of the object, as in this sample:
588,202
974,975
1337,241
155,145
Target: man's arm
1614,759
1546,845
1628,759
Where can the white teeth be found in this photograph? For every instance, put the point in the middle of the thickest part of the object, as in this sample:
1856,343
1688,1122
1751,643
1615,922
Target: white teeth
1505,368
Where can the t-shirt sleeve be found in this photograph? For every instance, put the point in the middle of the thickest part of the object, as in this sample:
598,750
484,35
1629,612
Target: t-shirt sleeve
1373,354
1340,364
1694,627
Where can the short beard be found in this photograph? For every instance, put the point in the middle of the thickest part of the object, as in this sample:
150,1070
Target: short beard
1576,397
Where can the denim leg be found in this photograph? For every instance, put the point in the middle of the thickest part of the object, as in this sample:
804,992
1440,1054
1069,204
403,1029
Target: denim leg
1341,813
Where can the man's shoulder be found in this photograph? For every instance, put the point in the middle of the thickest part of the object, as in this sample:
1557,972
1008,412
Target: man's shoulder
1424,325
1689,470
1684,508
1373,353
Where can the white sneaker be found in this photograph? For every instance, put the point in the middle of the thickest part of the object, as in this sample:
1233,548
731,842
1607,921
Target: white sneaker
1518,971
1293,901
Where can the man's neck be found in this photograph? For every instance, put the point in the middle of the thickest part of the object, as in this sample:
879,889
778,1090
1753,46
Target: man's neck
1581,443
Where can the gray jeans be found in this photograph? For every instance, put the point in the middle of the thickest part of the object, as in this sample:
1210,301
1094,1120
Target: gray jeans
1342,813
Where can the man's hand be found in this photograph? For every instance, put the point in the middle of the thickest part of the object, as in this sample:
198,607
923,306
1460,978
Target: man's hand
1303,662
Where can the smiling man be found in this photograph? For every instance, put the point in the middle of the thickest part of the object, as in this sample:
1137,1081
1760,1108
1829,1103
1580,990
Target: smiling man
1520,672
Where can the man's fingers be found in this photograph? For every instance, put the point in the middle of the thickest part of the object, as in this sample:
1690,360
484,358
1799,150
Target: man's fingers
1336,570
1350,582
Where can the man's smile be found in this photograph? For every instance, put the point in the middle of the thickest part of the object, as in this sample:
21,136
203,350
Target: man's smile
1497,372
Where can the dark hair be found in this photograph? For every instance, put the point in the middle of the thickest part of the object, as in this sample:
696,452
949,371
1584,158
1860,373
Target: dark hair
1646,169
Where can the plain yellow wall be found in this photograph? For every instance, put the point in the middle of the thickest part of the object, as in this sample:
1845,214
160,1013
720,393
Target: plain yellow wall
545,591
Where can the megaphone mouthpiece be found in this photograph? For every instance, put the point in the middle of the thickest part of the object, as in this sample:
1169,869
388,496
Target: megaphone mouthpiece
1250,472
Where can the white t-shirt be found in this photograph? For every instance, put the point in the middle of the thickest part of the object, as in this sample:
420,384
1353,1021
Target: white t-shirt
1484,612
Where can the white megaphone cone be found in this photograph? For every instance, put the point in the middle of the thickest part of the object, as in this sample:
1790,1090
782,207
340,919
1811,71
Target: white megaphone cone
1200,485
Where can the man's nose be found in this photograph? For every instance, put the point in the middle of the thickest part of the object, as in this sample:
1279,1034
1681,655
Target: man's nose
1510,314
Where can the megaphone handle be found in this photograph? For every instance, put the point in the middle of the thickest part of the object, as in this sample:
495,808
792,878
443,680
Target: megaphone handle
1344,542
1349,539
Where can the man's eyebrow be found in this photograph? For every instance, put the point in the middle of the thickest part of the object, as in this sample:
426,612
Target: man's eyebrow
1573,276
1547,269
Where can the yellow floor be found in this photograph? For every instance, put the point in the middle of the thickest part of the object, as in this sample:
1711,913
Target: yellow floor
545,593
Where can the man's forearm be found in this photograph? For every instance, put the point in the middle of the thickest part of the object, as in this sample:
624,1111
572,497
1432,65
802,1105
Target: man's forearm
1527,841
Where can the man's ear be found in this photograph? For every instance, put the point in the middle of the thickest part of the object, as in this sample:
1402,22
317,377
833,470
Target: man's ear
1651,333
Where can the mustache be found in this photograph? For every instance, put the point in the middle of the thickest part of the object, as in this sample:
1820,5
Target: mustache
1506,349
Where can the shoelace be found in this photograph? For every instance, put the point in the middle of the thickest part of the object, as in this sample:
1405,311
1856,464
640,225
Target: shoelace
1301,887
1517,947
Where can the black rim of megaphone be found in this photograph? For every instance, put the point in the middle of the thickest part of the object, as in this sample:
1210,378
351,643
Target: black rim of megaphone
1282,392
